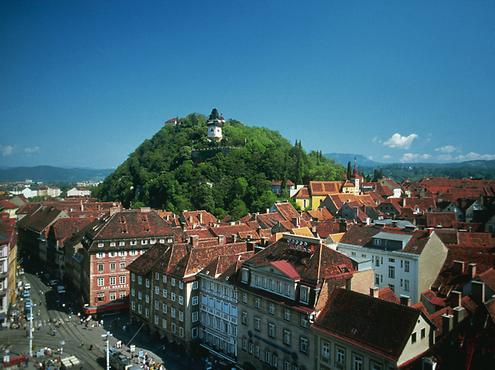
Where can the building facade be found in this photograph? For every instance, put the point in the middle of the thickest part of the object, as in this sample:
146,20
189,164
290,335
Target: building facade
281,290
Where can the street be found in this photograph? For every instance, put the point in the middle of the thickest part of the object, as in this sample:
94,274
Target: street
57,325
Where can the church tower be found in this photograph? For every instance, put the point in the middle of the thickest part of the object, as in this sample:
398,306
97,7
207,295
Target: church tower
215,123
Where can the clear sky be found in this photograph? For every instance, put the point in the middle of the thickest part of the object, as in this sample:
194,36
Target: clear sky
82,83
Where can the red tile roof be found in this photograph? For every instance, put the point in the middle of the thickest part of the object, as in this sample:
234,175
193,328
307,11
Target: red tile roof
322,188
440,219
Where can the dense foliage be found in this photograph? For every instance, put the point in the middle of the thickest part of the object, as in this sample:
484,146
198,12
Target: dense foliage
178,169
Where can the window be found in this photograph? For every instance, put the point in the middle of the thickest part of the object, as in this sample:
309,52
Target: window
181,300
100,297
164,293
174,328
245,275
122,265
122,294
157,276
100,281
257,350
140,280
100,267
244,298
286,314
133,276
340,356
194,332
173,313
271,330
413,338
275,360
406,285
164,308
121,244
377,279
244,343
157,305
113,280
181,331
392,286
194,316
357,362
181,285
271,308
325,351
304,294
391,272
406,266
172,296
303,345
113,296
304,321
164,278
195,285
100,245
172,281
113,266
244,317
257,323
156,319
112,244
133,292
195,300
375,365
287,337
140,295
144,242
423,333
147,281
257,303
377,262
164,323
391,260
100,255
181,316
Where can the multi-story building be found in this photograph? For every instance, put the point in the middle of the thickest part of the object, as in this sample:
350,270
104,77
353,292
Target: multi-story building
33,232
406,260
218,306
356,331
105,248
8,251
164,291
281,290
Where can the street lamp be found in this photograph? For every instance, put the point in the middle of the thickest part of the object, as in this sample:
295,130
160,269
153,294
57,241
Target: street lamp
106,337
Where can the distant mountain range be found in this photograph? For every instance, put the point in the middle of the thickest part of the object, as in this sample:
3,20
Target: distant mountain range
344,158
416,171
50,174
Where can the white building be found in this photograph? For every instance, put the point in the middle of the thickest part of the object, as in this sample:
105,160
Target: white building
75,192
408,261
218,308
215,123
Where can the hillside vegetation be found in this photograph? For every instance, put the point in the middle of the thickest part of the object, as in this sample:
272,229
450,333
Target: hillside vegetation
178,169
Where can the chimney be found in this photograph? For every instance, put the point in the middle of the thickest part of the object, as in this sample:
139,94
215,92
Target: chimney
200,216
459,314
456,298
295,221
478,291
190,219
459,267
114,210
374,292
221,239
447,321
268,210
313,229
234,238
82,206
405,300
194,240
472,270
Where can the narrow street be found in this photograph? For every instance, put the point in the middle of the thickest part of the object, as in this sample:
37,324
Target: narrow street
56,322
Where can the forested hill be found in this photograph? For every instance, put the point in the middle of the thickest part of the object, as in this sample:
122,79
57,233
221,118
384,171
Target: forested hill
178,169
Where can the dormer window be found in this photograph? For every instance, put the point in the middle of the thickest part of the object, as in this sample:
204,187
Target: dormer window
244,275
304,294
112,244
100,245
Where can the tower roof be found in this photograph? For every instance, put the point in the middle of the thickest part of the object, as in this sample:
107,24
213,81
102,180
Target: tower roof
215,118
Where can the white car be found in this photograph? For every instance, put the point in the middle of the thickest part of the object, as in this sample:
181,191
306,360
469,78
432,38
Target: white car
27,286
60,289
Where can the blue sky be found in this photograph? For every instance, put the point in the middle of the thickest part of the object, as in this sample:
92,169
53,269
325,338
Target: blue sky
82,83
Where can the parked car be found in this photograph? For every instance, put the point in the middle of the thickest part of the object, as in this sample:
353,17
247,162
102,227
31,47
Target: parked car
53,282
27,286
60,289
25,294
